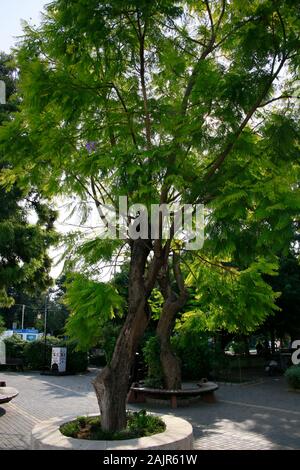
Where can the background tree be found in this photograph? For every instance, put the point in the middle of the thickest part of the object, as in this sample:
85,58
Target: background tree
162,101
34,309
2,325
287,320
24,262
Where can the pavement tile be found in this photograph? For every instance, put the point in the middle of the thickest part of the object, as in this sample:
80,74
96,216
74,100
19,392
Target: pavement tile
257,416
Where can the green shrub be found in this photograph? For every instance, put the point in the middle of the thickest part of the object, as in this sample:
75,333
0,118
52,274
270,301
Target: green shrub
107,341
77,361
139,424
151,353
35,355
2,325
14,347
199,357
293,376
109,335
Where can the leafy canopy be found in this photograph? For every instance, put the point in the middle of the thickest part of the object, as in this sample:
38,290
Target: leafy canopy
186,101
24,261
92,305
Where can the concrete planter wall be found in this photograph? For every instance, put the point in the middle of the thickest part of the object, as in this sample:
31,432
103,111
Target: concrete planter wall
177,436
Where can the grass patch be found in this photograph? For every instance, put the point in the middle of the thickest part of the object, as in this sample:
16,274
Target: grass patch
139,424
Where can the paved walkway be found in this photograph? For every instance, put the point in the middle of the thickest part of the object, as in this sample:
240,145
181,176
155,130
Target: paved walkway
254,416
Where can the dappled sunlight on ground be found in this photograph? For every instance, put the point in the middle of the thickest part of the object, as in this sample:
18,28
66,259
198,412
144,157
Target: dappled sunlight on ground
262,415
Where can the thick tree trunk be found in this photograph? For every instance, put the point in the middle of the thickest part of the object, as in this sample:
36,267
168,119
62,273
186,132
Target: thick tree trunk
169,361
112,383
172,305
171,368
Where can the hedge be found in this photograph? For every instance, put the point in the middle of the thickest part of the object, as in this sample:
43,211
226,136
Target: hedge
34,356
151,353
199,357
14,346
293,376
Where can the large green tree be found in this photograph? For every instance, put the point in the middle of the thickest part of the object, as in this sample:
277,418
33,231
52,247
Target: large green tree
26,222
287,320
160,101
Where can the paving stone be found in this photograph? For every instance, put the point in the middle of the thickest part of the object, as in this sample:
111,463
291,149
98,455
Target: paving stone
256,416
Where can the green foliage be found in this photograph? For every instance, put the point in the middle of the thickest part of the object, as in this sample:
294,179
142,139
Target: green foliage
25,263
156,302
38,355
194,128
77,361
151,353
92,304
7,74
227,298
139,424
292,375
162,101
287,320
34,354
15,347
142,423
108,337
2,325
199,356
34,314
98,249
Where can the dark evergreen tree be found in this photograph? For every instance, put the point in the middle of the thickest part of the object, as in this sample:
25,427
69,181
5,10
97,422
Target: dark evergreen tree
26,221
287,320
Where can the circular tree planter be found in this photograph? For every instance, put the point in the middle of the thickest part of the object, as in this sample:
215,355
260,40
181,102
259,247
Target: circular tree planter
7,394
177,436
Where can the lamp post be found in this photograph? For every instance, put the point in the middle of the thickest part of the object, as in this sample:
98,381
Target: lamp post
23,314
45,332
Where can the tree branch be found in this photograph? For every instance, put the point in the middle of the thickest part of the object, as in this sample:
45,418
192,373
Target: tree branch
178,275
141,37
221,15
212,26
98,204
216,164
127,114
281,97
220,266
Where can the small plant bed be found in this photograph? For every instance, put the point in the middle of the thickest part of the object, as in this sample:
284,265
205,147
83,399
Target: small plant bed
139,424
7,394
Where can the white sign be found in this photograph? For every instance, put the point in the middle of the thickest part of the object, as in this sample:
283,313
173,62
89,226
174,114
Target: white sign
2,92
296,354
59,357
2,352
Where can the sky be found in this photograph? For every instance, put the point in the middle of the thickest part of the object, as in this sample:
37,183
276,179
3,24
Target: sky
11,14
